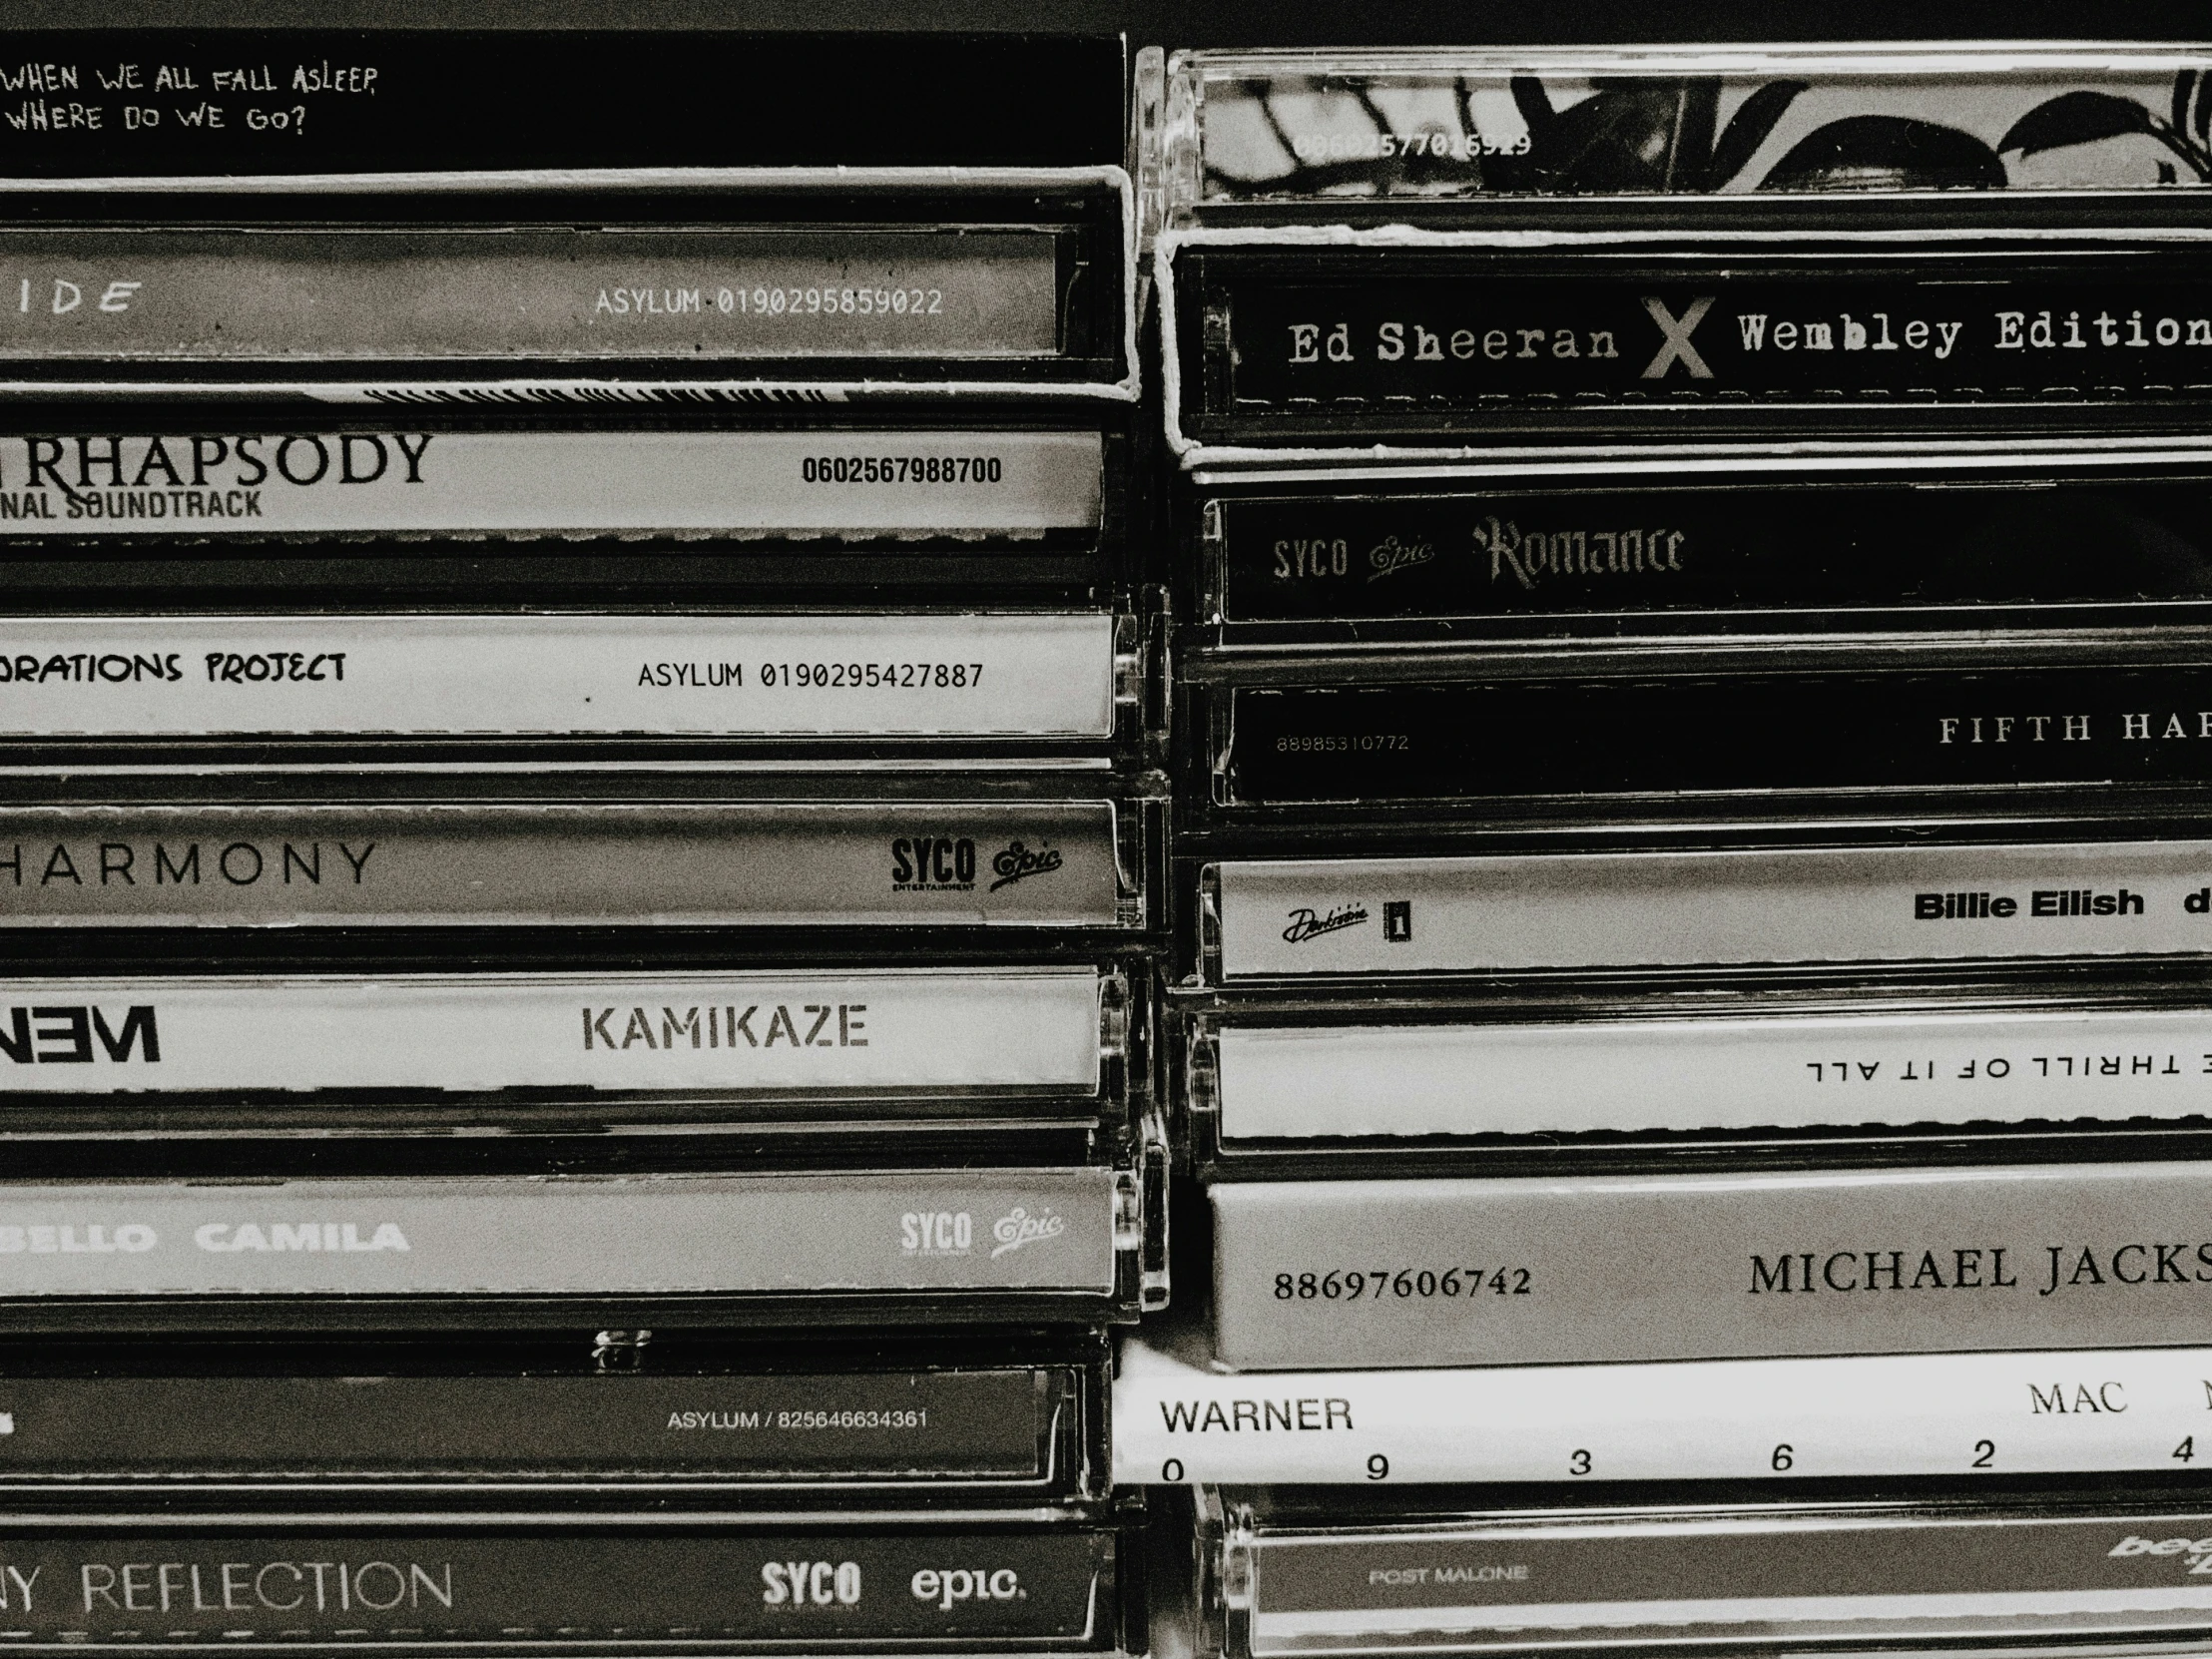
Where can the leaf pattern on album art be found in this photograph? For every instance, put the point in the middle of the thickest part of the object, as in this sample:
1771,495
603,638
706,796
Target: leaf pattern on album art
1887,151
1333,136
2087,117
1644,136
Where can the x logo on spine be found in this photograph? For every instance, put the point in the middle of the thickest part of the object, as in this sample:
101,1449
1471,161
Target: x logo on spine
1676,347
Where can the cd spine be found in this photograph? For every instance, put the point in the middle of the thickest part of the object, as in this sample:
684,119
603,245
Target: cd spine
1795,907
1749,1264
1069,866
1529,567
394,1056
1595,1069
1427,136
204,108
275,288
271,476
993,1434
1050,1245
2018,1577
549,1584
1961,1420
1925,736
997,681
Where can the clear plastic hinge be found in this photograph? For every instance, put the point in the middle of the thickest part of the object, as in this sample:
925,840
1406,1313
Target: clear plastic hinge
1146,159
1236,1565
1202,1073
1179,142
621,1349
1113,1017
1129,675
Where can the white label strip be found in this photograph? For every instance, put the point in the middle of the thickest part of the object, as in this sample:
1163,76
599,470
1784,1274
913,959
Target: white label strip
1569,1269
1958,1416
1800,904
738,676
1712,1075
1035,1028
549,483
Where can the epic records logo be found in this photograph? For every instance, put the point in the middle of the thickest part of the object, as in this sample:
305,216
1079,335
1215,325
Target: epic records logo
1018,864
1018,1227
1391,556
948,1585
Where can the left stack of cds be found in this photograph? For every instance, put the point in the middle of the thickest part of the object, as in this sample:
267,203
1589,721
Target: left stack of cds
577,843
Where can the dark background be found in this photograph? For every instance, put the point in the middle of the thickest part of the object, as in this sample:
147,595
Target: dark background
1226,23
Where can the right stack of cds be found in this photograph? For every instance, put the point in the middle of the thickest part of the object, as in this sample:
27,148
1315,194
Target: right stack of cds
1696,715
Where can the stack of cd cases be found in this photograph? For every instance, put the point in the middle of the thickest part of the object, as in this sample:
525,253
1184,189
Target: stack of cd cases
579,847
1693,725
684,715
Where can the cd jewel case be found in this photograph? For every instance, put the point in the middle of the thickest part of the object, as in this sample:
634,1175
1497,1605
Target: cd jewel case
1055,1244
558,1583
434,477
1360,567
815,1062
811,850
262,289
1285,131
1293,918
1299,1579
1955,1422
986,1418
1447,345
1667,208
1309,1075
1745,1265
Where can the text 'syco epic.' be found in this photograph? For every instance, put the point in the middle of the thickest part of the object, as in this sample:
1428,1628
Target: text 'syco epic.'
578,842
1693,732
